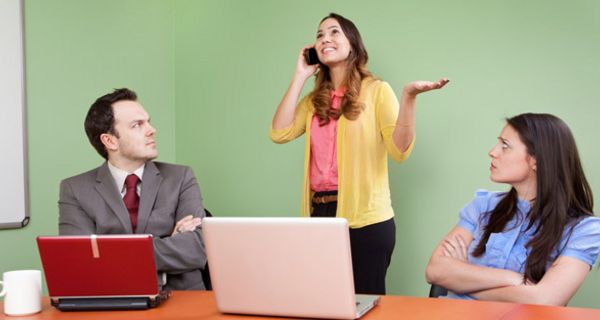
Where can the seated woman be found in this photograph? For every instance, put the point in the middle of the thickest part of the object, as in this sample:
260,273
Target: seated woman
535,243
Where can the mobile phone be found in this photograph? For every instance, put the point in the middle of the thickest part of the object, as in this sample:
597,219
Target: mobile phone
311,57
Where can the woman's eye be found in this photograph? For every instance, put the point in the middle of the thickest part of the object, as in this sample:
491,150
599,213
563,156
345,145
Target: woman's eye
504,146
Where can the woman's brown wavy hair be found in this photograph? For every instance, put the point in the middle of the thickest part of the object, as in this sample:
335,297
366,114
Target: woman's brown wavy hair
356,72
563,193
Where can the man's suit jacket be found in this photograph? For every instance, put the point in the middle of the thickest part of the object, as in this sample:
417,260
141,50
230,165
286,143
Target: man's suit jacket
90,203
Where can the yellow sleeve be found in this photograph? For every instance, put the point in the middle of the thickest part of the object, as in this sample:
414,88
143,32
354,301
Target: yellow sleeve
297,127
387,115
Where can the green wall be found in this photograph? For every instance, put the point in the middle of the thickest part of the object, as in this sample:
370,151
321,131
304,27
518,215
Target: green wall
211,74
235,59
76,51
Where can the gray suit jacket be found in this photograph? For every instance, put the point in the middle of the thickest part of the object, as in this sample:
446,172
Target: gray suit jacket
91,204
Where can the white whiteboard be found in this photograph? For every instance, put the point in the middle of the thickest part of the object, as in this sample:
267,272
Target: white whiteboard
14,209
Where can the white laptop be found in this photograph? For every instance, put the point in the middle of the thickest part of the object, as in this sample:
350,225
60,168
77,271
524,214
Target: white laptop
291,267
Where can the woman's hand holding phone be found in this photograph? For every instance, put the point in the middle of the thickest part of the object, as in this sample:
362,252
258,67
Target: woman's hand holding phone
303,69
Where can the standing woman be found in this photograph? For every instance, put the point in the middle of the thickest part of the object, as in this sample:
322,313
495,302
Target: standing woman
352,123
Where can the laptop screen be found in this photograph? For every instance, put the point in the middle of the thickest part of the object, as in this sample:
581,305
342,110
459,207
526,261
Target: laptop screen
99,266
298,267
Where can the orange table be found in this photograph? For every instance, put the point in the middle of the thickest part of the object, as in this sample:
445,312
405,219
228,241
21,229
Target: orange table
201,305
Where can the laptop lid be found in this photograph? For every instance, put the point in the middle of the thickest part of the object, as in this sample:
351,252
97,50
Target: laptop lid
99,266
300,267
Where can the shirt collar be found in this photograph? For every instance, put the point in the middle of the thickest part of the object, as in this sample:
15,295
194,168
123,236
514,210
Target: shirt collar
119,175
523,205
339,92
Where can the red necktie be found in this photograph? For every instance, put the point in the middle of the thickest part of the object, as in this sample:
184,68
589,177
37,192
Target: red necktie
131,199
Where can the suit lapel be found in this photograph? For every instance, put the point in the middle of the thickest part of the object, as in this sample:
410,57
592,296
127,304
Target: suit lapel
107,188
150,185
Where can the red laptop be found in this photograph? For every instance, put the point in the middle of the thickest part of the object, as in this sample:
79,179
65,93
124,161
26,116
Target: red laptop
100,272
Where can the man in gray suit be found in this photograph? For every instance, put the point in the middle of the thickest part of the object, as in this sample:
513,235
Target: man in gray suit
130,193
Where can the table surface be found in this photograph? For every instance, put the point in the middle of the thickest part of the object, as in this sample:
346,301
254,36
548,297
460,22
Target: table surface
201,305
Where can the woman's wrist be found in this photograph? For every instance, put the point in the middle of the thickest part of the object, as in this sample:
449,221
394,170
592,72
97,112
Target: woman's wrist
515,278
300,77
409,92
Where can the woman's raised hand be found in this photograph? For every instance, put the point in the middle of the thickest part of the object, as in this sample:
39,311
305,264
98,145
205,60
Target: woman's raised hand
416,87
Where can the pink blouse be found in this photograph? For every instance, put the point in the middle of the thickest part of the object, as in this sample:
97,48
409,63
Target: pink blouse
323,149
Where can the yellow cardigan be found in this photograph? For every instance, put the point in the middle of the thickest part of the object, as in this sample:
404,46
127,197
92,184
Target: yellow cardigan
362,149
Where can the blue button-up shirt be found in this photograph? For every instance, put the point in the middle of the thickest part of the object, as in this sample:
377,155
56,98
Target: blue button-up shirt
507,249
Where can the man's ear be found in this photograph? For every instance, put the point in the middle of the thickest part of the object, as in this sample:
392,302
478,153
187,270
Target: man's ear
109,141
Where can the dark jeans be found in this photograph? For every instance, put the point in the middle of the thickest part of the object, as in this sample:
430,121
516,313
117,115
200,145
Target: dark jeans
372,247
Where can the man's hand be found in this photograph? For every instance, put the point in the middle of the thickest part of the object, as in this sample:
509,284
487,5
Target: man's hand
186,224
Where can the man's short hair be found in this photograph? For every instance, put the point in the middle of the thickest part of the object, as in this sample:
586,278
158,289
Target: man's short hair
100,118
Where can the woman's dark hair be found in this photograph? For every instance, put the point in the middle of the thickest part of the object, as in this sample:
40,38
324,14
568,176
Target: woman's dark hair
357,71
100,118
563,193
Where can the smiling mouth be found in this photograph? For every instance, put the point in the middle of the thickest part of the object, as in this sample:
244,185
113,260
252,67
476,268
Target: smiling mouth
328,50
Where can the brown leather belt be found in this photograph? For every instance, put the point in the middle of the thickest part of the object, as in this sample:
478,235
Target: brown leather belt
325,199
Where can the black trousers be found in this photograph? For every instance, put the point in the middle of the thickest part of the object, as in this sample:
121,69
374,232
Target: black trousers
372,247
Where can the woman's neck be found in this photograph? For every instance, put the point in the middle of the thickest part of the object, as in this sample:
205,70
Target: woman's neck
527,190
338,75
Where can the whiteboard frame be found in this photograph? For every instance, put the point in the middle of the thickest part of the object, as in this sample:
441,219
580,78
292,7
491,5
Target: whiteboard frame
12,40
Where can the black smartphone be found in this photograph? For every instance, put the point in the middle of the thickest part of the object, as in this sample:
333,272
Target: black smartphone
311,57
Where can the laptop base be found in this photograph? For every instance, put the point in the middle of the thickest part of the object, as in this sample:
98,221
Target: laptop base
101,304
364,303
